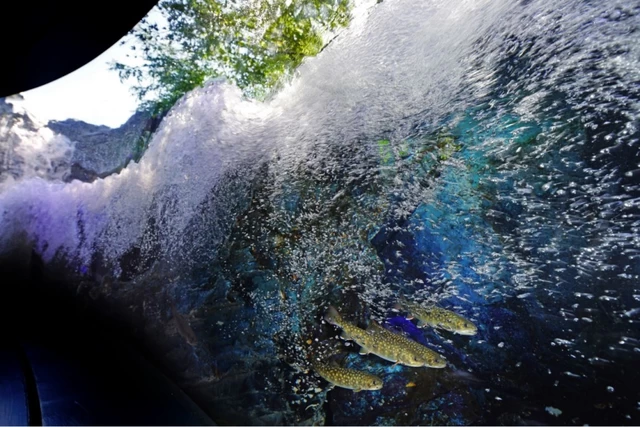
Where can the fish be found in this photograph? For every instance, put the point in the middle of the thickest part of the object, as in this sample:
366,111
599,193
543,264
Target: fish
438,318
347,378
387,346
429,358
183,327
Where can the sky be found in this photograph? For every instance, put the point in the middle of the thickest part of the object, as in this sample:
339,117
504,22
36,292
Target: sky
92,93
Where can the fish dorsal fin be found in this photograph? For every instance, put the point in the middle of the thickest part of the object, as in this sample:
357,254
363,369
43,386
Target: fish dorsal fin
374,326
427,304
435,305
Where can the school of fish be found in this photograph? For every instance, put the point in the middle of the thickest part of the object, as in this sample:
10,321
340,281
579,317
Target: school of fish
391,346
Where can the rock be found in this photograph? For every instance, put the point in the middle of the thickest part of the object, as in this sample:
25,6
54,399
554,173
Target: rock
101,151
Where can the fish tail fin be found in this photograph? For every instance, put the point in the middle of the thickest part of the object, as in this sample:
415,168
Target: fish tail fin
373,325
332,316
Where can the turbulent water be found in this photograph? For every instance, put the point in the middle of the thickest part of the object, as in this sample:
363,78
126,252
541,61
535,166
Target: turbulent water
480,154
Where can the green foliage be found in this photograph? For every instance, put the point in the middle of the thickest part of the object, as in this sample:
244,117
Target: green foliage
386,153
447,146
252,43
141,145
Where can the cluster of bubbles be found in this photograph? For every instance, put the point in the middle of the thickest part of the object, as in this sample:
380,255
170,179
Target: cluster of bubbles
477,152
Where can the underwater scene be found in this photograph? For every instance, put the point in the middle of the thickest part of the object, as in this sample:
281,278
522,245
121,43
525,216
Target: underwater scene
436,221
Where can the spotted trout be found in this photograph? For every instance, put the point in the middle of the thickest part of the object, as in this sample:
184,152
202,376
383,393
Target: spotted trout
431,358
381,344
437,317
347,378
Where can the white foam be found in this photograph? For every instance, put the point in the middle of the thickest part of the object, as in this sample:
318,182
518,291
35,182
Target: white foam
187,155
29,149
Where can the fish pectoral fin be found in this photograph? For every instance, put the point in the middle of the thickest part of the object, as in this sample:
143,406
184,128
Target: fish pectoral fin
344,335
446,328
410,317
356,390
364,350
421,324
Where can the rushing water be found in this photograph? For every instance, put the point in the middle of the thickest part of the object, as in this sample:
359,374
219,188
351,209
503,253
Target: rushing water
479,154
